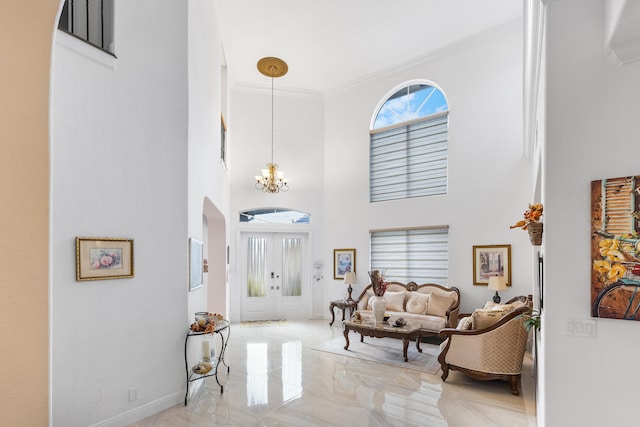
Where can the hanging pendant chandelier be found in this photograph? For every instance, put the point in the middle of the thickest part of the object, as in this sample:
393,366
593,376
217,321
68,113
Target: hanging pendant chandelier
272,180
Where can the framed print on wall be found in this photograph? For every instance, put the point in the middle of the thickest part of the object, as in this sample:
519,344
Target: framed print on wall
491,260
344,261
615,248
102,258
196,276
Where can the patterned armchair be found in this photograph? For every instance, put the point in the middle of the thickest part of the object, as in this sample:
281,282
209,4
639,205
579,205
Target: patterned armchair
494,352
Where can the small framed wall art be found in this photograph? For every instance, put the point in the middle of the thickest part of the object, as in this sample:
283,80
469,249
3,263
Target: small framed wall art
196,276
102,258
491,260
344,261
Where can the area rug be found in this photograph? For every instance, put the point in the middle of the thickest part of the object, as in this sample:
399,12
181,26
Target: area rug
387,351
254,323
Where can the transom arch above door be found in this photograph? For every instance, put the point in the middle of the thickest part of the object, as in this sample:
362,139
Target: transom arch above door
274,216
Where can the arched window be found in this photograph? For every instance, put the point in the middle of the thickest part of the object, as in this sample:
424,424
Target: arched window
408,144
275,216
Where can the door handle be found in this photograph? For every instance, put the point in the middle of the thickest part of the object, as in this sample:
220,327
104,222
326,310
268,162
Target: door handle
272,274
277,287
272,288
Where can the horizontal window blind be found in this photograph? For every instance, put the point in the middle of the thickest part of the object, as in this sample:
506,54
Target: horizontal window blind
409,160
420,255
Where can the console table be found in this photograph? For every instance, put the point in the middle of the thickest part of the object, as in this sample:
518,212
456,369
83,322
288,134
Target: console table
343,305
220,328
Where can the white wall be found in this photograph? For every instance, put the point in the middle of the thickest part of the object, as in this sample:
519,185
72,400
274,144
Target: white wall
298,150
489,179
592,133
208,178
133,155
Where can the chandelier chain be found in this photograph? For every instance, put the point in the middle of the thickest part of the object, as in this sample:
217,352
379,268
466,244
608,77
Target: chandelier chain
272,180
272,114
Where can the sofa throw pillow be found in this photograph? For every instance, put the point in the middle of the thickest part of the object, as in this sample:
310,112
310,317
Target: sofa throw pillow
481,319
465,324
517,304
439,304
490,305
417,304
394,301
501,307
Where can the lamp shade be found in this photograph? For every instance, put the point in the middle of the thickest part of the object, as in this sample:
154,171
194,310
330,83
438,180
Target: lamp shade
497,283
350,278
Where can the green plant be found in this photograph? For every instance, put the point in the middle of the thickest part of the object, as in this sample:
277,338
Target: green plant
531,320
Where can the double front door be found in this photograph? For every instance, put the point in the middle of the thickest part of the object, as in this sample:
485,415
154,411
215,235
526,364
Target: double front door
275,276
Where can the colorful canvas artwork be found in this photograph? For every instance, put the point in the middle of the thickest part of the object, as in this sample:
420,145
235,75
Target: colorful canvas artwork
615,248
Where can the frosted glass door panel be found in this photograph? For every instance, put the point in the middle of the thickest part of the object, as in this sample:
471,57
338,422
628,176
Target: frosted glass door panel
291,267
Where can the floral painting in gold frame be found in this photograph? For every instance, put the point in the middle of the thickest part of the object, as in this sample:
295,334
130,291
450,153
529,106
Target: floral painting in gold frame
102,258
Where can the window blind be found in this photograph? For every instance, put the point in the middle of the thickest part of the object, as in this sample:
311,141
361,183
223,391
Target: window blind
409,160
420,255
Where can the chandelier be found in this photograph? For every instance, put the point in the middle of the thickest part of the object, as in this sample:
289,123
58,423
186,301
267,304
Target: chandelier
272,180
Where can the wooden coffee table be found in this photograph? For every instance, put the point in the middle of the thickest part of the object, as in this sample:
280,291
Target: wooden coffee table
384,330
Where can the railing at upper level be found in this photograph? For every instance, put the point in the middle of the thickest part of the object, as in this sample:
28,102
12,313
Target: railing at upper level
89,20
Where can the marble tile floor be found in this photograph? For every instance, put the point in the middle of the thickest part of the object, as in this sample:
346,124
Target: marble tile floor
277,379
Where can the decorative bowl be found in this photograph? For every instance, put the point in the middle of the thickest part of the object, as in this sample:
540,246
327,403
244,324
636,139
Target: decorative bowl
202,368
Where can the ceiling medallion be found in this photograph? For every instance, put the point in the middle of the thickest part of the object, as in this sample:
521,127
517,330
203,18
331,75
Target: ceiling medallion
271,180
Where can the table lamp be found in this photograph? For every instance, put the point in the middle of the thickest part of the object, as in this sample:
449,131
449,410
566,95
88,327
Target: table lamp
350,279
497,283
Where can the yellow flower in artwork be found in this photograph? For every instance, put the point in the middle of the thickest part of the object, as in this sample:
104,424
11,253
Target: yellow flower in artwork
610,248
616,272
602,266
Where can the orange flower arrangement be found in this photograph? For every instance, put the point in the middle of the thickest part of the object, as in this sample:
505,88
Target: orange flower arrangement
531,215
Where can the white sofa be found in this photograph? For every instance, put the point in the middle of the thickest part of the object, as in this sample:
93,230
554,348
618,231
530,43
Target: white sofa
433,306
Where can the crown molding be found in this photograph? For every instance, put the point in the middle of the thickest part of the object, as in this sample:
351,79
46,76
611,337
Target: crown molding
279,90
466,43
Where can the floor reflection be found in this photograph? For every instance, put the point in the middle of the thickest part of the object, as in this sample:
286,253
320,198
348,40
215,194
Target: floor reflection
276,378
257,378
291,370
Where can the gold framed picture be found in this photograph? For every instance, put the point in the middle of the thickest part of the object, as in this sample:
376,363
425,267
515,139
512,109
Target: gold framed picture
344,261
102,258
491,260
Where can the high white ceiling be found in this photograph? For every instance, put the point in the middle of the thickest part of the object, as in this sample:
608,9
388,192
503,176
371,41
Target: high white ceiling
331,43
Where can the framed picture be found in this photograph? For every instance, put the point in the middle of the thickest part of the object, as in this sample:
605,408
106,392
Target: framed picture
615,248
223,140
102,258
540,276
491,260
196,277
344,261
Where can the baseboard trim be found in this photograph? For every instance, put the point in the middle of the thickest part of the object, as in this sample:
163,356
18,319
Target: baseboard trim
144,411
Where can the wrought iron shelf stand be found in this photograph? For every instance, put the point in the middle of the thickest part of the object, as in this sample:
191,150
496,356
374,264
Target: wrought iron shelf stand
219,330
